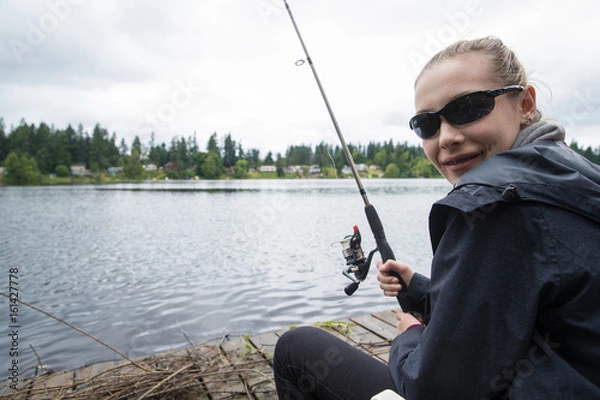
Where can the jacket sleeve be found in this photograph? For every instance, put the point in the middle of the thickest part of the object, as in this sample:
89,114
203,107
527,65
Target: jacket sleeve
486,278
417,296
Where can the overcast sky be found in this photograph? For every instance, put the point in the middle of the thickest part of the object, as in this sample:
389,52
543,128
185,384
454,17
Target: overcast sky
228,66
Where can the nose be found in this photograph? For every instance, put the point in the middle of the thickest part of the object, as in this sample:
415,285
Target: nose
450,136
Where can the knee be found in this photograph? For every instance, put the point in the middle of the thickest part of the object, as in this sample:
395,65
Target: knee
291,343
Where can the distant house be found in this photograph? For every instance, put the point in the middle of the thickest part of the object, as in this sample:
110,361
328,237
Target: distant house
150,168
267,168
170,166
361,167
1,170
115,170
346,170
314,169
80,170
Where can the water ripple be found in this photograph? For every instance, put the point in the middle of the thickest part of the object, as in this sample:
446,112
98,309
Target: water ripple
155,266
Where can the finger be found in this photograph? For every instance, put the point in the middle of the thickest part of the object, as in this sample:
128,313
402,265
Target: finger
391,290
385,266
387,279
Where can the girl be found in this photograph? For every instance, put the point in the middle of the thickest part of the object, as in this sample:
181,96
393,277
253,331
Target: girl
512,308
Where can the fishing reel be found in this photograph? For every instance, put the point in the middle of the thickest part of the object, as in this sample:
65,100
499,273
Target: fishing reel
355,260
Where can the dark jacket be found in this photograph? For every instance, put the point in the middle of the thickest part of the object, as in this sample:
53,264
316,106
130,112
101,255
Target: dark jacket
513,305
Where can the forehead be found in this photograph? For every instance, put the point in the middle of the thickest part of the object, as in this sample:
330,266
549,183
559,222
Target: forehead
451,78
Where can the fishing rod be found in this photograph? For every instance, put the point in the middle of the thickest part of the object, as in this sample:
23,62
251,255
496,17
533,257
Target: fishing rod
359,266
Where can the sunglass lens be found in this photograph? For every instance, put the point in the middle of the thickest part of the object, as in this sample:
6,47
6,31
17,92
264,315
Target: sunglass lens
425,125
469,108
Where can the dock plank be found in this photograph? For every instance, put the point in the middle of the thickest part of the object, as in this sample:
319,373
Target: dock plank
387,316
380,328
252,367
50,387
92,370
265,343
227,384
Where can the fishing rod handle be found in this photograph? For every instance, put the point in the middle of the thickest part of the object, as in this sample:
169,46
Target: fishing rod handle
406,303
382,244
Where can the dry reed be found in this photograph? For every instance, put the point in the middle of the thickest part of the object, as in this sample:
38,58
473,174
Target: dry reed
201,372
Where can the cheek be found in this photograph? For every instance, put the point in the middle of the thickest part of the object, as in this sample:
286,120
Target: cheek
431,148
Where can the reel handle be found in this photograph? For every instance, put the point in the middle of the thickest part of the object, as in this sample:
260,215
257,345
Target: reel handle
351,288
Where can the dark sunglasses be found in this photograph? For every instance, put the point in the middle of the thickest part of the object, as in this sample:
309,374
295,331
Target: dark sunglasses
460,111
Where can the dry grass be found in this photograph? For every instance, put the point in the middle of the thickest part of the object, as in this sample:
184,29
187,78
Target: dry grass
202,372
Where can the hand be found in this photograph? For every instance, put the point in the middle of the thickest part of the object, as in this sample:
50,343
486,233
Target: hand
390,284
406,320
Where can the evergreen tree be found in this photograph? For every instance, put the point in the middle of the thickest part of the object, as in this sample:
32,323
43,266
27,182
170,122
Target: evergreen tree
213,145
253,158
299,155
98,160
40,148
113,152
279,164
136,145
59,150
192,145
21,139
183,153
123,149
79,145
229,156
322,155
214,156
158,155
269,159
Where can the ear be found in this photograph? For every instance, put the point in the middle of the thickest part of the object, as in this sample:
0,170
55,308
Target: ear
528,103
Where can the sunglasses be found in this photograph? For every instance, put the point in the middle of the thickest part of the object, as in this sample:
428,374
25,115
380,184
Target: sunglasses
460,111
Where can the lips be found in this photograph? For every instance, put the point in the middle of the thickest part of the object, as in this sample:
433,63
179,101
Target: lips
461,162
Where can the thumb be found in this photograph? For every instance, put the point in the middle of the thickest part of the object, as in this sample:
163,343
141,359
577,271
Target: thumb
388,266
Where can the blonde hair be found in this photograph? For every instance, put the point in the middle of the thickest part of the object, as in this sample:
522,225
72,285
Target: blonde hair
503,61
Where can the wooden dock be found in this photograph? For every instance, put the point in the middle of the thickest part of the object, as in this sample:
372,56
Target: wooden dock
239,368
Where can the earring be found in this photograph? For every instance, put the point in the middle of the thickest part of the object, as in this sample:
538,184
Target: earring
528,122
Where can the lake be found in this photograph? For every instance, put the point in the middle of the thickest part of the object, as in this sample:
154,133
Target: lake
156,266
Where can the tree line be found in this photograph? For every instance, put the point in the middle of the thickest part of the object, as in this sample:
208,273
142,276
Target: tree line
30,152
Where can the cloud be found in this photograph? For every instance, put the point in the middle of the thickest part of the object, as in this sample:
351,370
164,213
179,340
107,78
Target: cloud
127,64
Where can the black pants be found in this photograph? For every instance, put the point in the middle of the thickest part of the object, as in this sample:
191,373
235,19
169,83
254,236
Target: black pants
310,363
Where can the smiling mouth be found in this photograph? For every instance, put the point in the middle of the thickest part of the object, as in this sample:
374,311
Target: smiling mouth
461,160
